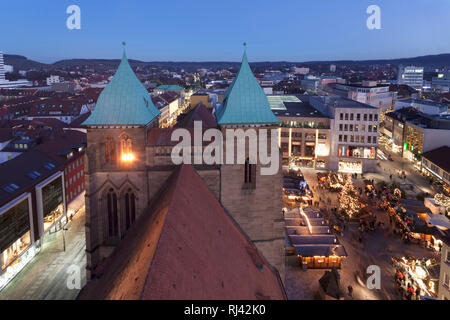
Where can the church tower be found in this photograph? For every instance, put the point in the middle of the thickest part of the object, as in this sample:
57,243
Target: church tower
253,199
116,185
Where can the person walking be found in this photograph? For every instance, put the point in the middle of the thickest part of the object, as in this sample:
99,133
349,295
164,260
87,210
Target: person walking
350,291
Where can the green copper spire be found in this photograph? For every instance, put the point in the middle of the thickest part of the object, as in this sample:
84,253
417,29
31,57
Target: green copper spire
124,101
245,101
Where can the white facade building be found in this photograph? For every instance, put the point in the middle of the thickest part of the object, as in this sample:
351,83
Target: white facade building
8,68
301,70
411,76
2,68
53,79
369,92
425,106
353,135
10,84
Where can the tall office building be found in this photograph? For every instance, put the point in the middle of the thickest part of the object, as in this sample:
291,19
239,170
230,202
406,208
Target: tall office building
411,76
10,84
2,68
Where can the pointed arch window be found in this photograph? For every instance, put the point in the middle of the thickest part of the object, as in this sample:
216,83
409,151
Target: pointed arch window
113,220
126,147
130,208
109,150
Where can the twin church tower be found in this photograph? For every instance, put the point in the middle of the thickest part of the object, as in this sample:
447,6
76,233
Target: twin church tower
128,162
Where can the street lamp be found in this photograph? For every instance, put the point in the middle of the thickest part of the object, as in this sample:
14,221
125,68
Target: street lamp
64,238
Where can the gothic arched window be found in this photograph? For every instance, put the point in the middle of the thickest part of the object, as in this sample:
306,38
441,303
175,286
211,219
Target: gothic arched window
125,145
109,150
113,220
130,208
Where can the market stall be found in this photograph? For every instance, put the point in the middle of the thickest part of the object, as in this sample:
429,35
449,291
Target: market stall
416,278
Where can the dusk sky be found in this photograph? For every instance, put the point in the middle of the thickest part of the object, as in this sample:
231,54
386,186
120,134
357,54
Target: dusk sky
200,30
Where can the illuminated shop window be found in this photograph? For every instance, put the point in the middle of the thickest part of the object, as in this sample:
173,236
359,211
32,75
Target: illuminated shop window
15,250
53,205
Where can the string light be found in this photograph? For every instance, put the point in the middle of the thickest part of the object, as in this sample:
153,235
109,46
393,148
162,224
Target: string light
348,200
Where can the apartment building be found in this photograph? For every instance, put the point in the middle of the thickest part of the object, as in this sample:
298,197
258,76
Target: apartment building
369,92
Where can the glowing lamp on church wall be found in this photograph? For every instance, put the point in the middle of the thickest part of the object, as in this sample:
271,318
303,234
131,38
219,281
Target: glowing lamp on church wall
128,157
126,148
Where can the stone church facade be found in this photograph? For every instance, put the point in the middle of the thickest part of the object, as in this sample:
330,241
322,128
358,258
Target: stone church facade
129,160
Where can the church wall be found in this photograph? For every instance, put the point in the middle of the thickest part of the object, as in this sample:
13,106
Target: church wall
118,175
257,210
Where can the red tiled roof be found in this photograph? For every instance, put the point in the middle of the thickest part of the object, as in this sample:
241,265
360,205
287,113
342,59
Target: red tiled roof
186,247
78,121
54,146
199,113
55,106
160,137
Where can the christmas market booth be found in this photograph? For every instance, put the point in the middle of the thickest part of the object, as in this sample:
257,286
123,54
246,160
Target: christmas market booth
415,220
310,239
416,279
332,181
409,218
295,189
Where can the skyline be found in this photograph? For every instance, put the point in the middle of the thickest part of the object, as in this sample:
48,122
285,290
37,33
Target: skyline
203,31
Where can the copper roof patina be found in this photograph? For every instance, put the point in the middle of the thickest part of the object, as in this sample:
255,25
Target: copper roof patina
124,101
245,101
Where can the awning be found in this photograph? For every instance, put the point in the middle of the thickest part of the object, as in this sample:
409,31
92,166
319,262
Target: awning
318,250
439,221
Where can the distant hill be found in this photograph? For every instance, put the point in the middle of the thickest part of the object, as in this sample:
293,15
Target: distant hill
22,63
92,62
113,63
438,60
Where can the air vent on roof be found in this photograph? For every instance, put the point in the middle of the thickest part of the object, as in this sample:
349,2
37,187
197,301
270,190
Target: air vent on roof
49,166
34,175
14,186
8,189
11,187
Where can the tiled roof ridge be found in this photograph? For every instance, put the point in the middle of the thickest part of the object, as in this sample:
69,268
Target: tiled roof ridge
167,190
